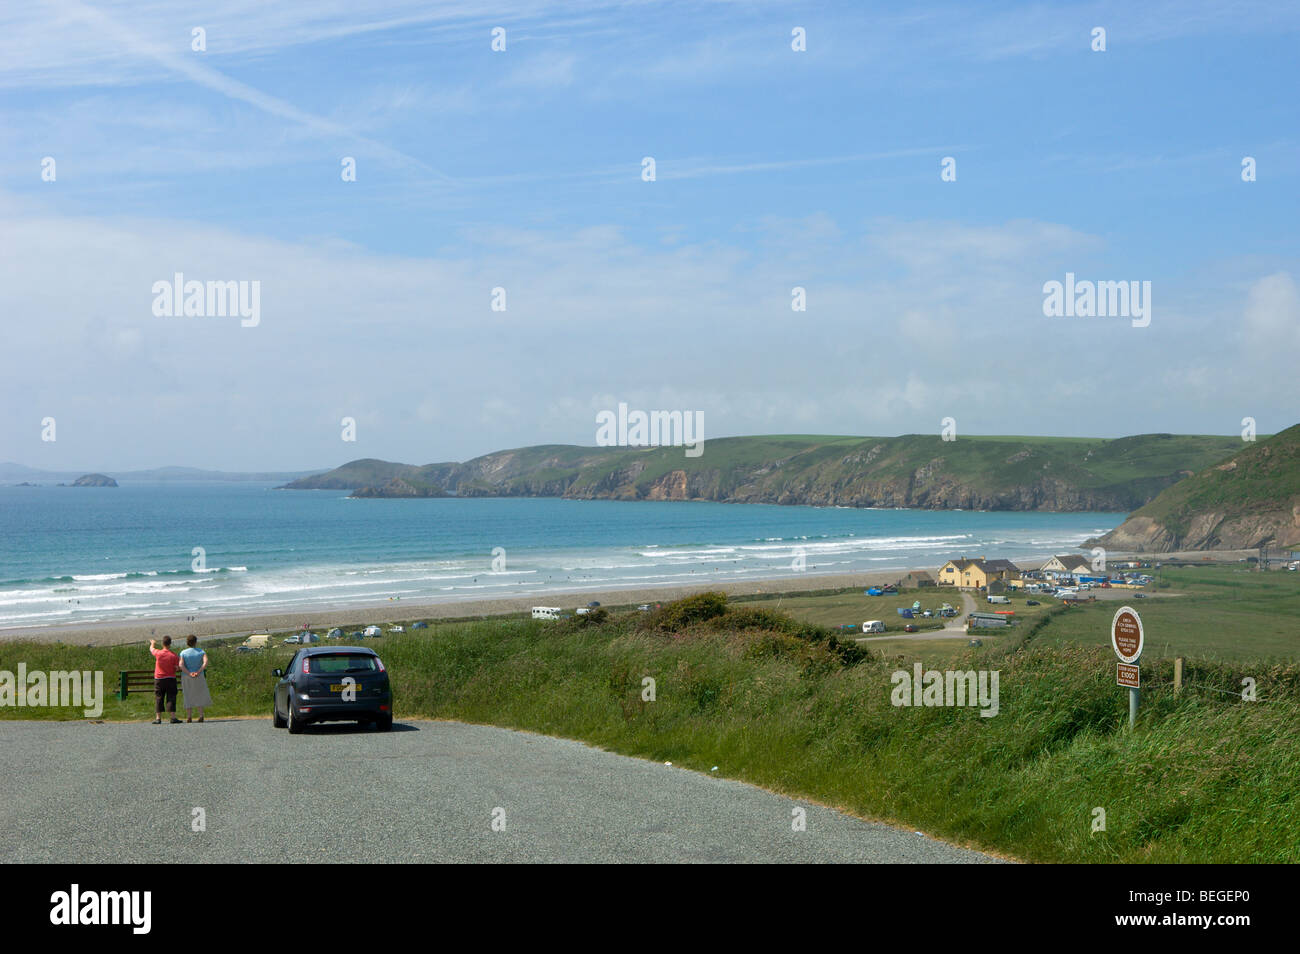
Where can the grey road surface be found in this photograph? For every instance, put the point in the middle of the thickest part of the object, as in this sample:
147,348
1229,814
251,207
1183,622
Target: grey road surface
426,792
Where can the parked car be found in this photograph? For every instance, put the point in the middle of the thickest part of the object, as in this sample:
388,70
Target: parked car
889,589
644,608
927,614
291,640
1139,596
332,684
909,628
1032,603
593,604
875,591
396,629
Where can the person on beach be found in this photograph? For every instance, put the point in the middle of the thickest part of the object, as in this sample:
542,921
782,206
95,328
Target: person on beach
194,683
164,679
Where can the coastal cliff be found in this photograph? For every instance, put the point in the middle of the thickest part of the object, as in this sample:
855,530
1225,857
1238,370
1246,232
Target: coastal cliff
1249,501
915,471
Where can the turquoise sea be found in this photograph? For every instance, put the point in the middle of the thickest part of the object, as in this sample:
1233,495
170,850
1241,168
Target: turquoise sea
93,554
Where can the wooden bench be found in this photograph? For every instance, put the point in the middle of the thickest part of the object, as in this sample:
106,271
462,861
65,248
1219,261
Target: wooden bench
135,680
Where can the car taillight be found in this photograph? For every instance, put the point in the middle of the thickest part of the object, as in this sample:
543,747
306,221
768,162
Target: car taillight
379,662
306,665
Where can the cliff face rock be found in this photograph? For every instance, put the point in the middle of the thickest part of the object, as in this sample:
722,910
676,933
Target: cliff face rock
915,471
1250,501
1207,531
400,487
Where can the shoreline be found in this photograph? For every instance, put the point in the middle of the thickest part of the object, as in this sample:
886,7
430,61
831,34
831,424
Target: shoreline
352,615
326,615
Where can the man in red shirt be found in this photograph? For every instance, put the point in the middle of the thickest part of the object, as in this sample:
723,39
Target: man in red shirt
164,679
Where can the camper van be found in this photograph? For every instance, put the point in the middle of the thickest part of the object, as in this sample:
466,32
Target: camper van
873,626
546,612
257,641
373,631
998,599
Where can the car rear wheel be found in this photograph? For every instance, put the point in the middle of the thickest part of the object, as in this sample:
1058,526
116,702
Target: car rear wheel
276,721
295,724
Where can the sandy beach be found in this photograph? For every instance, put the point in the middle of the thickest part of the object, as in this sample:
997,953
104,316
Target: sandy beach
326,616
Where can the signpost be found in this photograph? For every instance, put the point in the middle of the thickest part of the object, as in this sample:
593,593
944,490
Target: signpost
1126,638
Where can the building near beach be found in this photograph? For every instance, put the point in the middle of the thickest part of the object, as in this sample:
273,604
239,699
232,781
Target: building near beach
916,579
977,574
1061,566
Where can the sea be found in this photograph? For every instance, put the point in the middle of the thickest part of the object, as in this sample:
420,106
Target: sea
179,548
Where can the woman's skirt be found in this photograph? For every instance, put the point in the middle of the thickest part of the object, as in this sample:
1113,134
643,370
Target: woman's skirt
195,690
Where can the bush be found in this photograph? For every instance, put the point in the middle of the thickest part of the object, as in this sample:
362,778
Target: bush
680,614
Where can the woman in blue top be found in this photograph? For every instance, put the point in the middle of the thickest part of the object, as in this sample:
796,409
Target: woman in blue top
193,682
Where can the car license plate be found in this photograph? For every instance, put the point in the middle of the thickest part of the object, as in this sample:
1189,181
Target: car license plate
340,687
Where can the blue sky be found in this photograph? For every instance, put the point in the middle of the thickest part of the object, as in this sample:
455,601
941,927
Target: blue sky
521,169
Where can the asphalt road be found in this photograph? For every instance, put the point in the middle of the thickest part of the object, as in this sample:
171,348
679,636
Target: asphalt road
426,792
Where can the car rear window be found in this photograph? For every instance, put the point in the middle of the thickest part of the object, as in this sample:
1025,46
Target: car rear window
344,662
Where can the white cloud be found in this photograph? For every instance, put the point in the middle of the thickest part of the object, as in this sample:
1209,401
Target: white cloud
409,346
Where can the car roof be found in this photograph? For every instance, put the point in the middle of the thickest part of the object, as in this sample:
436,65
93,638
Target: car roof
331,650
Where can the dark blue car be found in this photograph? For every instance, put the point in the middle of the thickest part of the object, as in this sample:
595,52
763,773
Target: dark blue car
332,684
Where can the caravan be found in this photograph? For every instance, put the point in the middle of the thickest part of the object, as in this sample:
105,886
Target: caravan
546,612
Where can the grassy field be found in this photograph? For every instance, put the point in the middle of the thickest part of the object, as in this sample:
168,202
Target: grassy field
782,703
1209,613
851,606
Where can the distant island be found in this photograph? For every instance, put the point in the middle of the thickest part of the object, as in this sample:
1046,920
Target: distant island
1250,500
11,471
913,471
92,480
